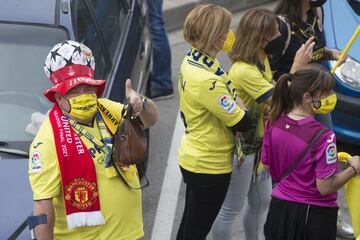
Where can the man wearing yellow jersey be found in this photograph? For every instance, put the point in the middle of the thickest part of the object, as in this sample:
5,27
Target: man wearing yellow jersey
252,78
70,166
211,115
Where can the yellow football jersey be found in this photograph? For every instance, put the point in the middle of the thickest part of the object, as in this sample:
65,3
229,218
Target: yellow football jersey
208,110
254,86
120,206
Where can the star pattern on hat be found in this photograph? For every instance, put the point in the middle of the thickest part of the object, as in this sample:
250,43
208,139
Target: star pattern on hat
54,54
68,61
77,49
50,70
89,63
65,54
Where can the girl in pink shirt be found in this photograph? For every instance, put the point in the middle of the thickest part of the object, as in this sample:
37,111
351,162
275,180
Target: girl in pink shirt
300,154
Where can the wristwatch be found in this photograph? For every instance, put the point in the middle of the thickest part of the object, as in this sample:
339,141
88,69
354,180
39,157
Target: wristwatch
144,101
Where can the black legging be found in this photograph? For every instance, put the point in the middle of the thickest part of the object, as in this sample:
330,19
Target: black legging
205,194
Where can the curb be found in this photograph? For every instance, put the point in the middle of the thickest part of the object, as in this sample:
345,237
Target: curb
175,17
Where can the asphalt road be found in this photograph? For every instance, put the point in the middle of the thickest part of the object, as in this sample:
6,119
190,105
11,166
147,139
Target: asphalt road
162,163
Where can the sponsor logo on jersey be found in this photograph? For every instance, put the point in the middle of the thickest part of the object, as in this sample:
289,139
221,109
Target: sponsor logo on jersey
36,164
227,103
331,153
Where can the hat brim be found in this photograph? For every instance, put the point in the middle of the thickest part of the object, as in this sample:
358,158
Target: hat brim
65,86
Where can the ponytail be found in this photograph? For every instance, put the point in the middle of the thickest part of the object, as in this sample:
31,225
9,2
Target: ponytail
281,99
290,88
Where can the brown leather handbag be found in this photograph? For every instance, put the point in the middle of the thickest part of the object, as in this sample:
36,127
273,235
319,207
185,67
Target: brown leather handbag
130,145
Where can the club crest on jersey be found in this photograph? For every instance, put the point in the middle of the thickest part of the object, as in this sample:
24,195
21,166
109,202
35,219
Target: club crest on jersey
36,164
227,103
331,153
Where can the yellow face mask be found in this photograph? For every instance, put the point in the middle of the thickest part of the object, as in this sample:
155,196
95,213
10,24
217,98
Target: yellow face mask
229,42
84,106
326,105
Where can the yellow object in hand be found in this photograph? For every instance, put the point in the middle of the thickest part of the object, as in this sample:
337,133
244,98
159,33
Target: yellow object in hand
347,48
343,156
352,195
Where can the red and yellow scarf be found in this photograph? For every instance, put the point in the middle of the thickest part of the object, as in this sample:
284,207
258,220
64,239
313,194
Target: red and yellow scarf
78,175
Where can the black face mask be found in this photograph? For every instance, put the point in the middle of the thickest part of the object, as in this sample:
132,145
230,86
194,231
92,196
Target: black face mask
318,3
274,46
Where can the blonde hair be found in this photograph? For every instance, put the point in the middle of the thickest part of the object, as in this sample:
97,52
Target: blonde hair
205,25
254,27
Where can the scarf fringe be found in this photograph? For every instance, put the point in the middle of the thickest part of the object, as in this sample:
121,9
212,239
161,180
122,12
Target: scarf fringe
81,219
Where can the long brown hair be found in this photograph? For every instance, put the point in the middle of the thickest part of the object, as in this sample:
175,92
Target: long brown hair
254,27
292,10
290,89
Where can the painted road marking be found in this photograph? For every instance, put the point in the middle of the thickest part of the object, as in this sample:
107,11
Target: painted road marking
165,213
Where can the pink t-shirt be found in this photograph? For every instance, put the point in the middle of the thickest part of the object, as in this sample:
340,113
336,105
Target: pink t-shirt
283,142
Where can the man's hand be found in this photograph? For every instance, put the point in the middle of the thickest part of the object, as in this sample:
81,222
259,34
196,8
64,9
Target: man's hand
133,98
150,116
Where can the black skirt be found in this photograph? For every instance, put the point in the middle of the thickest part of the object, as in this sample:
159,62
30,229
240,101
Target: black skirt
296,221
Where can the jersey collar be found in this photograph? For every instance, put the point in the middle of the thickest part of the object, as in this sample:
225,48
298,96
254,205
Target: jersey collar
200,59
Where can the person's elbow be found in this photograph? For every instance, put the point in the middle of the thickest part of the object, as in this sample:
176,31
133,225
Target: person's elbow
324,190
324,186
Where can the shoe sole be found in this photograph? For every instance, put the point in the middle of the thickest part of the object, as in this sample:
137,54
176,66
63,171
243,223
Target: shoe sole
344,234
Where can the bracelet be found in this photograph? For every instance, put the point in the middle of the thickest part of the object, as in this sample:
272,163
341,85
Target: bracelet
144,101
356,173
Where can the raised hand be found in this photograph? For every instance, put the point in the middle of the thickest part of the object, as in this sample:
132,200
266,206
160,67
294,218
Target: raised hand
133,98
303,55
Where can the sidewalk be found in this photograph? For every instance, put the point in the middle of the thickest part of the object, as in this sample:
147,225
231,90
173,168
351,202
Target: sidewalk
175,11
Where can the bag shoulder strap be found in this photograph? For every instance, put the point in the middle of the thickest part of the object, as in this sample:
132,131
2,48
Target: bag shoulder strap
303,153
284,20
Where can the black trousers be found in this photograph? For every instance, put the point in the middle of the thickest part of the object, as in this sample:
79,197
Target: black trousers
205,194
296,221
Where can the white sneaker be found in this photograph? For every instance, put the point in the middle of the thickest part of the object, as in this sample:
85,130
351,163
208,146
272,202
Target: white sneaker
344,229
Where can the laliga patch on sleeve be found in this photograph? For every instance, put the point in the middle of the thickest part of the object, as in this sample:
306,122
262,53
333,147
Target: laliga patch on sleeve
36,164
331,153
227,103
